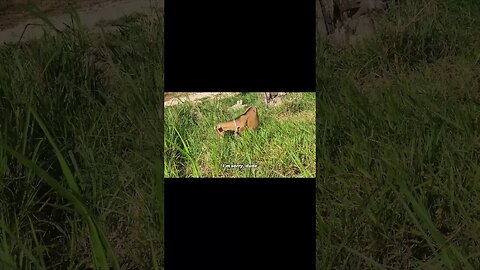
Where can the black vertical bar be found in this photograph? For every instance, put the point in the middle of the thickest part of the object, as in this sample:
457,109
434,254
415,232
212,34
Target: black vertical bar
251,45
240,224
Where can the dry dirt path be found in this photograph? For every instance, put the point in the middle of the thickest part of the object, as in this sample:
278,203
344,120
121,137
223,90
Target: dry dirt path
89,16
196,97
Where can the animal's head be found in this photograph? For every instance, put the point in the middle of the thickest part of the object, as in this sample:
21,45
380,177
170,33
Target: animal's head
220,130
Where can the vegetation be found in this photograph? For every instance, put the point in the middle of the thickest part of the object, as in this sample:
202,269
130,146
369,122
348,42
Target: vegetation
399,142
80,173
280,147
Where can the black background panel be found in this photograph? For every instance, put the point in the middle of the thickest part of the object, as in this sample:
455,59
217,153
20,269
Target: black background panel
239,45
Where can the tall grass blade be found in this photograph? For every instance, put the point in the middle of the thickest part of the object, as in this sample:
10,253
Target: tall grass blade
448,252
65,169
41,15
159,193
185,150
74,198
100,243
299,164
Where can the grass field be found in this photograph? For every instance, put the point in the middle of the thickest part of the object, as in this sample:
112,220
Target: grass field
399,143
79,138
280,146
398,146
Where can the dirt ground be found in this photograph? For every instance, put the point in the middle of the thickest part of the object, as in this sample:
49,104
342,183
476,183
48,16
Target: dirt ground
174,98
13,12
16,17
169,95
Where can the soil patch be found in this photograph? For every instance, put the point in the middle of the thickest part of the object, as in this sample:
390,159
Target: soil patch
13,12
175,98
91,12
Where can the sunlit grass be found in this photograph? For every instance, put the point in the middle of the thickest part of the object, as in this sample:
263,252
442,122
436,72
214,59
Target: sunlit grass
279,147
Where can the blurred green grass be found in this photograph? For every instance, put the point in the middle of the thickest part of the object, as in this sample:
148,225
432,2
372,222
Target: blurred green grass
399,142
99,97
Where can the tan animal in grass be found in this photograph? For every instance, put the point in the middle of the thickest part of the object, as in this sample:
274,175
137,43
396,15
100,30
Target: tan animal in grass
247,120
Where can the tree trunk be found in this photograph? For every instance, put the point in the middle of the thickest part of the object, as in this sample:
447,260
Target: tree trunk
273,98
348,21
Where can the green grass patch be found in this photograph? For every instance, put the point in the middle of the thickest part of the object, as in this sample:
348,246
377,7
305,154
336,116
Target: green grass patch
280,147
80,172
399,143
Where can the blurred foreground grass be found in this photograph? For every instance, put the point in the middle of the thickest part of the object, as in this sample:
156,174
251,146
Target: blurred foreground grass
399,143
99,97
